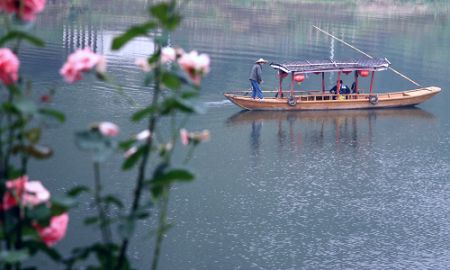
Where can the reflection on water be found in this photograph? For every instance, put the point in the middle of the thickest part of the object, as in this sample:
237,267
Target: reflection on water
352,126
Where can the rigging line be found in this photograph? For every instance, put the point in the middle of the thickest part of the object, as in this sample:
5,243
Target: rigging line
358,50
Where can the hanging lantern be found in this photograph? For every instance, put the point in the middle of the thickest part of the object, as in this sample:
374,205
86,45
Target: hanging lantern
363,73
346,72
282,74
317,73
299,78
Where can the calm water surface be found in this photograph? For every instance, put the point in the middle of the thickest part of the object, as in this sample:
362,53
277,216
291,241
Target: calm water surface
275,190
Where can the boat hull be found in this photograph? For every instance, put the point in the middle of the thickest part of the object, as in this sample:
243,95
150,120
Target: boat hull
333,102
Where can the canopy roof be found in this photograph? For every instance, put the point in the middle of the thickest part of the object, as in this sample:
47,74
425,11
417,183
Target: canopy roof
332,65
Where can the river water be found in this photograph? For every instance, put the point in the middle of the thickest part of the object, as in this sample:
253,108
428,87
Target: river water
274,190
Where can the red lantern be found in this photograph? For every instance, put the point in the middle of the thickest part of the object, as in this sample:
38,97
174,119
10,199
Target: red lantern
317,73
363,73
346,72
282,74
299,78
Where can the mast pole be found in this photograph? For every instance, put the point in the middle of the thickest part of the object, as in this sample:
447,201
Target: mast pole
358,50
323,82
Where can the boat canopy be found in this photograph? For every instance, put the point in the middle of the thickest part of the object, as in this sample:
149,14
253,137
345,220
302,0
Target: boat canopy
332,65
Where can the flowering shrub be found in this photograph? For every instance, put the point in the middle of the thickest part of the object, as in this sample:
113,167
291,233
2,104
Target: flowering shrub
31,219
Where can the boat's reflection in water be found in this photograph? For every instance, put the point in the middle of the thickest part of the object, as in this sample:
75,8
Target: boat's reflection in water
350,127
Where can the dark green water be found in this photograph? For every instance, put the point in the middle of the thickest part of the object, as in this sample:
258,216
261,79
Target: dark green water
320,190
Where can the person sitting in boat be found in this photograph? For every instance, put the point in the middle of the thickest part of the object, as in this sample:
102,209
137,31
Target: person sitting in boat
344,89
256,79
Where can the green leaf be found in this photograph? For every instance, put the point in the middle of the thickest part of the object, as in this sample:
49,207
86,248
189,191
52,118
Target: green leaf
134,158
173,104
165,14
110,199
155,57
91,220
132,32
101,147
77,190
26,106
170,80
54,114
22,35
160,10
125,145
174,175
148,78
61,204
189,94
41,214
14,256
139,115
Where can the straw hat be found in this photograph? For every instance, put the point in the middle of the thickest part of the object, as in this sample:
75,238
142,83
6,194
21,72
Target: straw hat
261,60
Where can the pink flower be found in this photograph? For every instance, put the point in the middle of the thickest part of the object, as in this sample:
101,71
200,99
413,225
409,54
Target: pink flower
35,193
143,135
9,66
24,9
130,152
108,129
101,65
55,231
168,54
82,61
195,65
184,136
202,136
24,192
143,64
13,195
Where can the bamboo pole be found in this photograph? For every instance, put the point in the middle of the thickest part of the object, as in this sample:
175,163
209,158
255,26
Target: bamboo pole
358,50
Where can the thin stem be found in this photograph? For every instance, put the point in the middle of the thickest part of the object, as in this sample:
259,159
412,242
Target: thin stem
161,227
104,227
142,166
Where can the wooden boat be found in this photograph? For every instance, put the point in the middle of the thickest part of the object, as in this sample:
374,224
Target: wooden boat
324,100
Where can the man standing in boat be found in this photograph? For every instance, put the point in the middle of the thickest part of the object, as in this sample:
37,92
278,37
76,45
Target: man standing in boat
256,79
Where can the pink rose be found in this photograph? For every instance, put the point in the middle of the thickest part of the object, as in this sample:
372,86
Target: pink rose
55,231
9,66
184,136
82,61
35,193
14,193
202,136
195,65
108,129
24,192
130,152
24,9
168,54
143,135
143,64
